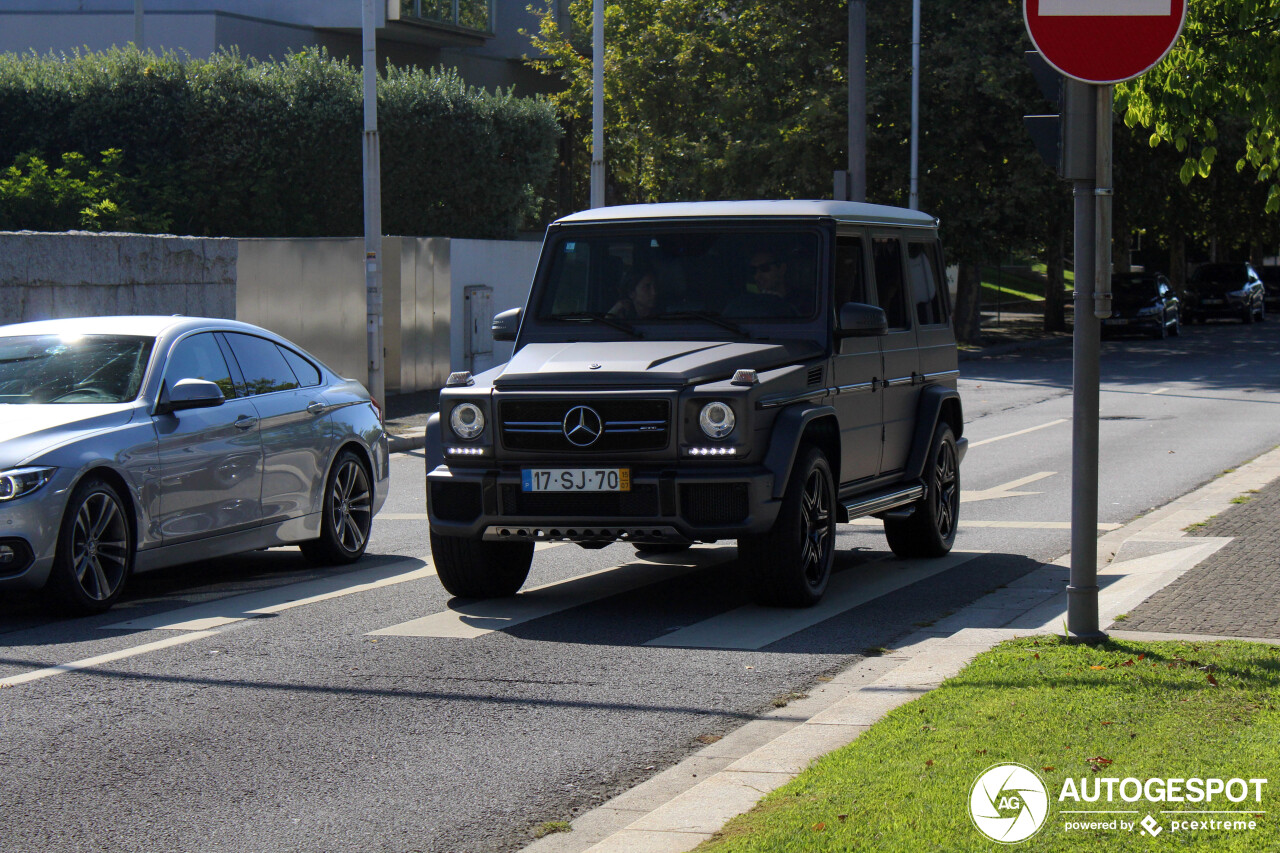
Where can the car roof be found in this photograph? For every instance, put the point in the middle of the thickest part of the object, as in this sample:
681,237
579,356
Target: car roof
143,326
841,211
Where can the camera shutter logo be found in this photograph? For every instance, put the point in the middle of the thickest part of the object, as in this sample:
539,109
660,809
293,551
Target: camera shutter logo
1009,803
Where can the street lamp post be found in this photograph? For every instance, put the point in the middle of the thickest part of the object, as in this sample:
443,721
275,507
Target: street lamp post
372,207
137,25
597,104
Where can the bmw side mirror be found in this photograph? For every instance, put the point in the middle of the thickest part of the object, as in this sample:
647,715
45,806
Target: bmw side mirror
189,394
859,320
506,324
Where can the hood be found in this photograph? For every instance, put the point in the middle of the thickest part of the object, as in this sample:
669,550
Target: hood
645,363
30,429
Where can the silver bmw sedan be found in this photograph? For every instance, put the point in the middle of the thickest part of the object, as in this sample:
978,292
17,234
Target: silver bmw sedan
129,444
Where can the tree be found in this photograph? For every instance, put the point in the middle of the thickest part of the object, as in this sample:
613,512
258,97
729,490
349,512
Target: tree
1225,64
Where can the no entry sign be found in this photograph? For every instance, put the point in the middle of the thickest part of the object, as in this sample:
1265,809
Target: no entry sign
1104,41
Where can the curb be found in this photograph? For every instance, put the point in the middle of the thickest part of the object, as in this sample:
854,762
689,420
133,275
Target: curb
405,441
688,803
1016,346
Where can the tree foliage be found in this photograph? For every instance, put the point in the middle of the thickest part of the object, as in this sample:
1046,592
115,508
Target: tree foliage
1227,63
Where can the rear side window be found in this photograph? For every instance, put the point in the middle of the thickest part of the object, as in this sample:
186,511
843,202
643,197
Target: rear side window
198,357
926,289
850,274
891,290
303,370
264,368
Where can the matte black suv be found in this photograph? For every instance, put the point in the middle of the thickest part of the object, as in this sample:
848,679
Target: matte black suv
685,373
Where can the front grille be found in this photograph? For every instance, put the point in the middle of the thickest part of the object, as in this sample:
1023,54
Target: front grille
626,425
641,501
455,501
714,504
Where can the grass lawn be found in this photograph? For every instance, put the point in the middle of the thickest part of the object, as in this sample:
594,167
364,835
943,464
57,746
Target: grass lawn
1119,710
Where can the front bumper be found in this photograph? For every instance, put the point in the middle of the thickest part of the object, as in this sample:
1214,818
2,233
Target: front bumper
29,526
702,504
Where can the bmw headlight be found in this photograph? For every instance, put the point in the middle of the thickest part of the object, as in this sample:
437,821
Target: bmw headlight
466,420
1148,311
1238,294
22,481
716,420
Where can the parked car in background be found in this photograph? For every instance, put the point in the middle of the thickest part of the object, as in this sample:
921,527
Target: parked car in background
134,443
1225,290
1270,275
1143,303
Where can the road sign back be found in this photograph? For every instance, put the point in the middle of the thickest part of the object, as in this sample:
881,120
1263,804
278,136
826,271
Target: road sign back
1104,41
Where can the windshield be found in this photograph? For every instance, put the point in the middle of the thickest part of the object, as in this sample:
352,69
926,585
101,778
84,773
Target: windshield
1223,273
72,369
1134,287
664,275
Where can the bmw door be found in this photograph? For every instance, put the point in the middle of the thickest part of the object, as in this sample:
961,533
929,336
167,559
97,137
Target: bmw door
296,442
210,459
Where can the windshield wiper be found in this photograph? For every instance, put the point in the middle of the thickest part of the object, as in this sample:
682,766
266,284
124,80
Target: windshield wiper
601,317
707,316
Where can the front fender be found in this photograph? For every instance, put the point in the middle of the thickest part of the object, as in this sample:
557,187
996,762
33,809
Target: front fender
928,413
433,446
784,443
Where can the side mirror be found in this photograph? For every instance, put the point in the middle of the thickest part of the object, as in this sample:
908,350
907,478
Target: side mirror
859,320
189,394
506,324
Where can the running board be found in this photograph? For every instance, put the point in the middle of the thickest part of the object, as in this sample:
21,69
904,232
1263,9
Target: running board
884,502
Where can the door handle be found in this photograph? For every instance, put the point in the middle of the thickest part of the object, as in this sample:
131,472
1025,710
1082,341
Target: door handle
246,422
315,407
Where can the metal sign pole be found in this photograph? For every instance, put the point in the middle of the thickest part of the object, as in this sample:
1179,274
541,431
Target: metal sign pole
1092,295
372,208
597,105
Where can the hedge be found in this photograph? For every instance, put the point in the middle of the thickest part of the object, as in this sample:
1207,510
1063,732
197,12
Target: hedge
233,147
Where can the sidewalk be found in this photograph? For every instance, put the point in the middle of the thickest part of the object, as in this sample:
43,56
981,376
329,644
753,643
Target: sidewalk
1202,567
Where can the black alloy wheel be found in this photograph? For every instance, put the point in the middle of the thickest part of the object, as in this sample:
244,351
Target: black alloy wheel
930,530
791,565
95,550
347,514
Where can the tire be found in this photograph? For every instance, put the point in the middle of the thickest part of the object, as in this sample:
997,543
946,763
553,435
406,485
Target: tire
1162,332
790,565
473,568
96,546
1248,315
930,531
1177,326
660,547
346,514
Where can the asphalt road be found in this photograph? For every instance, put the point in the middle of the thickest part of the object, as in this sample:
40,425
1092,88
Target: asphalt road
255,704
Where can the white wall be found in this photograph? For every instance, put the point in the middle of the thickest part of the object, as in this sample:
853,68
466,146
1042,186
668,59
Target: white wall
506,266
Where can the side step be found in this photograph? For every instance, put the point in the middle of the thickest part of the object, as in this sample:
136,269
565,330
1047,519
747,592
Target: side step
879,502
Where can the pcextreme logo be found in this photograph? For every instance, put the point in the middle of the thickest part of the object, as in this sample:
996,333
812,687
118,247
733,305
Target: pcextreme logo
1009,803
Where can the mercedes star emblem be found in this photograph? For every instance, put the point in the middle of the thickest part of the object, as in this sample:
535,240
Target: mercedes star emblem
582,426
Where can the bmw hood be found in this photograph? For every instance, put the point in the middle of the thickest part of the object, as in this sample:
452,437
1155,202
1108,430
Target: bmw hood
644,363
26,430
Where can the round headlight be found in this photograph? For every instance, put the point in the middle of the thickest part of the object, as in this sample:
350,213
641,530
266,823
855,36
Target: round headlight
716,420
467,420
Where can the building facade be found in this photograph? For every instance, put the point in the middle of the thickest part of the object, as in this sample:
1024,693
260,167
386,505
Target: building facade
481,38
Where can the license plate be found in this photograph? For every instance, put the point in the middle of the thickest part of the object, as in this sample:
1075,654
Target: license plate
576,480
1114,321
1211,301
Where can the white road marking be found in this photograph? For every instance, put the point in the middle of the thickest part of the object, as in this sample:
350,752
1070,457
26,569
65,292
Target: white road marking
1159,391
477,618
1009,525
754,627
1005,490
226,611
37,674
974,444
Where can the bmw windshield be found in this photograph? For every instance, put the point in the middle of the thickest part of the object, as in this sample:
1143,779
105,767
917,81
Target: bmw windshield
80,369
661,276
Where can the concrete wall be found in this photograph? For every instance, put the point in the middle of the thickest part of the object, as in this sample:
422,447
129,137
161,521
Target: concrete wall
82,274
311,291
